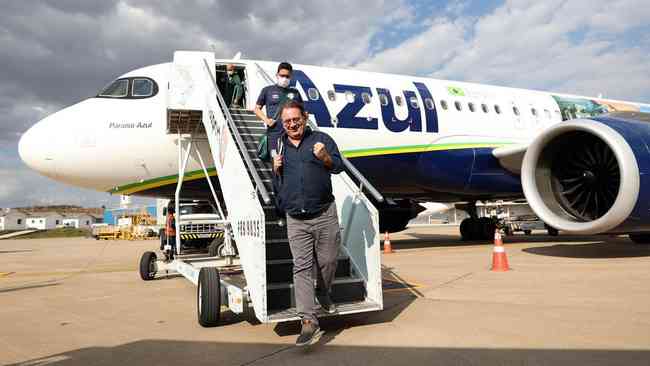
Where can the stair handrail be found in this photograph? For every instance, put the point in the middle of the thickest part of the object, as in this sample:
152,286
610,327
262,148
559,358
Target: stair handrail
348,165
240,142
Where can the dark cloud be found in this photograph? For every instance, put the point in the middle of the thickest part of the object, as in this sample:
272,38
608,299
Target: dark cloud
56,53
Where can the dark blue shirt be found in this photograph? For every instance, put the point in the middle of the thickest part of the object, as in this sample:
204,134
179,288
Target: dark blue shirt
305,185
273,97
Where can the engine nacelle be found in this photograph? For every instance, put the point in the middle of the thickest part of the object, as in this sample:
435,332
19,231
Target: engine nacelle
395,216
590,176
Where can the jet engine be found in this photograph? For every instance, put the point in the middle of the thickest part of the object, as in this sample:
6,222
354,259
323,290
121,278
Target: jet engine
589,176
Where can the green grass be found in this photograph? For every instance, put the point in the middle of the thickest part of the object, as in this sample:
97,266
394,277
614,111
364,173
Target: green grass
56,233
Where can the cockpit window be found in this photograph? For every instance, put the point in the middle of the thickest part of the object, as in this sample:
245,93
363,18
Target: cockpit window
142,87
117,89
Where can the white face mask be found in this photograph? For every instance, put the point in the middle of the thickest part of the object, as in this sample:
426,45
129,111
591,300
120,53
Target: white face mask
230,72
283,82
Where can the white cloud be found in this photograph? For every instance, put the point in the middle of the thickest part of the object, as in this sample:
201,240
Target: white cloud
574,46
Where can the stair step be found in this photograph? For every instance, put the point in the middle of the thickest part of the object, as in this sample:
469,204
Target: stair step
281,271
244,117
344,290
279,250
342,308
276,232
249,124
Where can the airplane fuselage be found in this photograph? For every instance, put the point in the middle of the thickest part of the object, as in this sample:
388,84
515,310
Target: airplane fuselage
412,137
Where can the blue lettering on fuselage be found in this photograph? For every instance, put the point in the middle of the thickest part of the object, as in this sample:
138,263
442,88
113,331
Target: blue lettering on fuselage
431,113
347,117
394,124
316,107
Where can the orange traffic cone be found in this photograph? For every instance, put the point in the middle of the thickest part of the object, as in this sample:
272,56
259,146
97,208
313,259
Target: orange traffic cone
387,247
499,258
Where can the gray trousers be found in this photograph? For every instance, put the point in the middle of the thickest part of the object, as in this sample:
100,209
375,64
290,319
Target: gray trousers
315,246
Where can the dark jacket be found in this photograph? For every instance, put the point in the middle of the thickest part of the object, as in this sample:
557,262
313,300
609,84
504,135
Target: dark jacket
304,186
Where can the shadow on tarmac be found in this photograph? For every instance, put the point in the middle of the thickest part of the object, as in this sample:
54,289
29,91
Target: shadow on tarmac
395,302
172,352
602,249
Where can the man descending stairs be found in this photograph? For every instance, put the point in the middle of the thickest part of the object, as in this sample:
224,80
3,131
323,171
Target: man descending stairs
347,289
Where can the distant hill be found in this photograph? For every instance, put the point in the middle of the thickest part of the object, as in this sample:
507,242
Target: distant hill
64,209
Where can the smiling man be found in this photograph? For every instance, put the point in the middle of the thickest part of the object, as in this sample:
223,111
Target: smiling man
303,172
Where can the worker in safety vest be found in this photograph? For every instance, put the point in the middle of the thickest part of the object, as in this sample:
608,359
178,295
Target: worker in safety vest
170,227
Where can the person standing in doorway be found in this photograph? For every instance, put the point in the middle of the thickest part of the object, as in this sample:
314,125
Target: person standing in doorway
233,87
273,97
303,168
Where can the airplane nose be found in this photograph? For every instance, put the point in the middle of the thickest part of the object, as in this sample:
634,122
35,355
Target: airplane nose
35,149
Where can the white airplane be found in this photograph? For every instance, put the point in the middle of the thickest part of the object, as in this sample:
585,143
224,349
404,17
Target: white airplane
581,162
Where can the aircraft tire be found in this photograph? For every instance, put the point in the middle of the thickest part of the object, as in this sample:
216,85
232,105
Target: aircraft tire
487,228
208,297
640,238
148,266
466,229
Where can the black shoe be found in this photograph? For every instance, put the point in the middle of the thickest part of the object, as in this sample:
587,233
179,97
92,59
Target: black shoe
326,304
309,334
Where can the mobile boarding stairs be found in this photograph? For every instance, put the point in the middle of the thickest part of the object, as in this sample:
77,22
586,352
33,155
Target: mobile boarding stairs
259,279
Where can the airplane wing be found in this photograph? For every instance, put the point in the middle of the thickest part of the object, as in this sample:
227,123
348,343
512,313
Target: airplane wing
510,157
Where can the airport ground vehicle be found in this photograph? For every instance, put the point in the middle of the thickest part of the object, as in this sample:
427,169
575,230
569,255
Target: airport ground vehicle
526,224
200,226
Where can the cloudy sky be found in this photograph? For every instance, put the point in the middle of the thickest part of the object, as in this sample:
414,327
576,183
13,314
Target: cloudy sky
55,53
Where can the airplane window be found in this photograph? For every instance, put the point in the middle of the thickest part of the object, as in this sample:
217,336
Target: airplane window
366,98
312,93
349,96
484,108
547,113
534,111
471,107
118,88
331,95
443,104
515,110
497,109
383,99
398,100
414,102
429,103
459,107
142,87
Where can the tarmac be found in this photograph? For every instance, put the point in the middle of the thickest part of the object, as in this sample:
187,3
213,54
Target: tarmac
567,300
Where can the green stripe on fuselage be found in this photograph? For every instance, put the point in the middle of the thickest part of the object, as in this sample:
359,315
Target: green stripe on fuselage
352,153
390,150
159,182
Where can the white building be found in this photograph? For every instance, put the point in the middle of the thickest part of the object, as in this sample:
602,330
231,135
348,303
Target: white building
12,220
44,220
81,221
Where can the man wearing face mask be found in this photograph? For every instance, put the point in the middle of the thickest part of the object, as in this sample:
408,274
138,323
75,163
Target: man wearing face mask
273,97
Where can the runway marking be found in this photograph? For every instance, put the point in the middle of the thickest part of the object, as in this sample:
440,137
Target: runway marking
454,280
68,273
